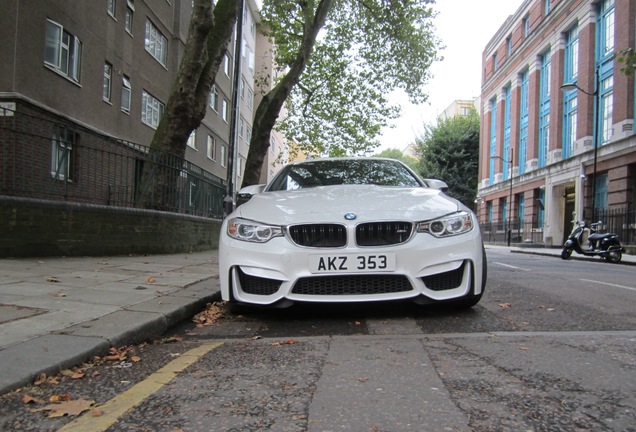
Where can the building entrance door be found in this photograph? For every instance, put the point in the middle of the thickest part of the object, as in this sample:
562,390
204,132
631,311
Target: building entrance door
570,200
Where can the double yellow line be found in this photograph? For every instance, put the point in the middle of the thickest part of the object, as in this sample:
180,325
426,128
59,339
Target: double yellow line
115,408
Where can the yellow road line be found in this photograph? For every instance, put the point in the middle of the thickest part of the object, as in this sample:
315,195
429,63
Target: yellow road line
115,408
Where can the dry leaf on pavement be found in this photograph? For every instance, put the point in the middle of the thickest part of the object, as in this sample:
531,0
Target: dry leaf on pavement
285,342
70,408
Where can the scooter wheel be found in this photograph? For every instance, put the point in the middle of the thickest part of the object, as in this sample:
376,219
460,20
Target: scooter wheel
614,256
566,253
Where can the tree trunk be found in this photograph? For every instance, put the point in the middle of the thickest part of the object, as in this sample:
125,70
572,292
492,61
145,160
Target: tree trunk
209,34
269,109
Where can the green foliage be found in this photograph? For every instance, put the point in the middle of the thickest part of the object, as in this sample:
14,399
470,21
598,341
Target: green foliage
449,151
627,57
364,51
397,154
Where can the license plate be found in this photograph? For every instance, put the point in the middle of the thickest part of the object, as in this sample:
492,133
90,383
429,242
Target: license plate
352,263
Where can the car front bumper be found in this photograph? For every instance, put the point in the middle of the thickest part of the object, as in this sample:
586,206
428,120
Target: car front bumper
427,269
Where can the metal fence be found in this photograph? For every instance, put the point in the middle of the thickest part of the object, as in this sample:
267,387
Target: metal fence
497,232
618,221
49,158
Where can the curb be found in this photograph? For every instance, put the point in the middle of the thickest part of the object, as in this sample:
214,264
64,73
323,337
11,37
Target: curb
572,257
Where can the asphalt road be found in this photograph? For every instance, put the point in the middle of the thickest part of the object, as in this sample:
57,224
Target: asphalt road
551,346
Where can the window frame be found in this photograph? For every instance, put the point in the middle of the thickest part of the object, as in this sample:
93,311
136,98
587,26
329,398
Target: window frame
107,85
126,88
69,64
155,107
155,43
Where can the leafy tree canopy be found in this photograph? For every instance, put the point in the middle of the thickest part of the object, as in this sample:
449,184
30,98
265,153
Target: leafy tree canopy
397,154
365,50
449,151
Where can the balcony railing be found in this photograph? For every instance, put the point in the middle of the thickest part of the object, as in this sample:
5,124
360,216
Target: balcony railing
48,158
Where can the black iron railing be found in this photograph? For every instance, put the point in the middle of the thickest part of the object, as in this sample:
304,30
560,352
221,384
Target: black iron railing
49,158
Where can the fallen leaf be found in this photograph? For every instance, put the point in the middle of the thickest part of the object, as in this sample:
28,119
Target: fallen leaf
28,399
41,379
52,279
71,408
58,294
504,305
210,315
363,379
151,280
285,342
135,359
97,413
60,398
524,348
77,375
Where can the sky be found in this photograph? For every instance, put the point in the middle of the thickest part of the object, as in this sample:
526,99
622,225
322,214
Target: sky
464,27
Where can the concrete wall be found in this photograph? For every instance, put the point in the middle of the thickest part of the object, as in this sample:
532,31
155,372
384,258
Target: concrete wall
33,228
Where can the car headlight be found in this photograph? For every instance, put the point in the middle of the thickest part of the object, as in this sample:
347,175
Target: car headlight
251,231
450,225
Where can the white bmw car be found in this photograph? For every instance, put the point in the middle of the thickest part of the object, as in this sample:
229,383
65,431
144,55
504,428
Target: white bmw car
350,230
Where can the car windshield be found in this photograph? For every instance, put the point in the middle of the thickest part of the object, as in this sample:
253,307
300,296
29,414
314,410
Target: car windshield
344,172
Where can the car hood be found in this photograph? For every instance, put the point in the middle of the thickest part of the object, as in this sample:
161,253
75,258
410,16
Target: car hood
330,203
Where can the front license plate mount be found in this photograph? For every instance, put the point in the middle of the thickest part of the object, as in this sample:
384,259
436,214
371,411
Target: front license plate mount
352,263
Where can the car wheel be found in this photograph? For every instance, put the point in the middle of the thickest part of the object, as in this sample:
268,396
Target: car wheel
614,256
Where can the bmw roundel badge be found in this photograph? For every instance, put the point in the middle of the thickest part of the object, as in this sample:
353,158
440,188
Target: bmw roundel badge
350,216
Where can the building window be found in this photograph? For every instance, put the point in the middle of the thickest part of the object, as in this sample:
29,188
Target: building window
192,140
62,51
250,98
544,108
243,85
211,151
130,12
570,102
62,153
108,81
606,23
509,45
112,5
226,65
241,127
151,110
547,6
223,151
607,106
605,69
523,121
522,209
541,209
526,27
495,62
507,111
600,197
239,167
214,99
125,94
224,110
493,137
248,135
156,43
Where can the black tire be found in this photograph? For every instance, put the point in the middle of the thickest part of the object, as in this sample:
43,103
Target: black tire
566,253
614,256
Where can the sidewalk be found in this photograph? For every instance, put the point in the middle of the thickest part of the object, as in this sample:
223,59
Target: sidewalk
56,313
556,252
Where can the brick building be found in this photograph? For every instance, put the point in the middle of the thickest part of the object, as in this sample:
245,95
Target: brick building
78,70
538,161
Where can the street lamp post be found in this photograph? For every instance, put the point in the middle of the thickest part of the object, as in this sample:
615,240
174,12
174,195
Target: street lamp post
595,129
509,224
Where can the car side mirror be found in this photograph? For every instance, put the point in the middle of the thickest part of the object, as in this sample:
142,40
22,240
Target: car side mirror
436,184
245,194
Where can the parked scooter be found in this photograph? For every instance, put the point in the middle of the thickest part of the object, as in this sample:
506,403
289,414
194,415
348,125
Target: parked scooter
606,246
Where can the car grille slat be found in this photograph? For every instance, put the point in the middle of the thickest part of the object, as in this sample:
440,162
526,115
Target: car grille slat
319,235
383,233
445,281
352,285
